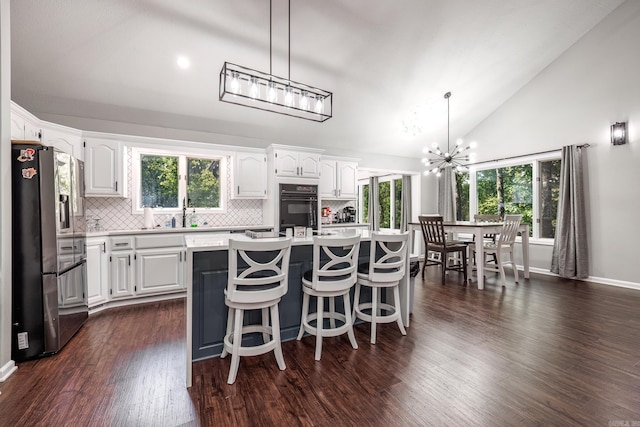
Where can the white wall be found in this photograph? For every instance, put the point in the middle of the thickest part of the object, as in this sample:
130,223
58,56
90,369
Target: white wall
574,101
7,366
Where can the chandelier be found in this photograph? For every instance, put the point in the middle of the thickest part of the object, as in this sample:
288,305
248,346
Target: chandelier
457,157
255,89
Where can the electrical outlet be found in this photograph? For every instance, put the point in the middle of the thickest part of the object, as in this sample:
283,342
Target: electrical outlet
23,340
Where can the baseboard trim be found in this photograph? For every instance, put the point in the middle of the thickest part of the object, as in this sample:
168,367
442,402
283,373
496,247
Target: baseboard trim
134,301
591,279
9,368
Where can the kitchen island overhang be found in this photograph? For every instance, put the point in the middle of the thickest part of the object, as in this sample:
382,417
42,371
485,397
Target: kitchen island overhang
206,312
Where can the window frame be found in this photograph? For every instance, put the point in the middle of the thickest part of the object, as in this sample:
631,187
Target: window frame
536,187
136,202
391,178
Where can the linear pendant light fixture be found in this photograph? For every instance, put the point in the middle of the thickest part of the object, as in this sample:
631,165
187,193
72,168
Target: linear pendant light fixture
255,89
457,158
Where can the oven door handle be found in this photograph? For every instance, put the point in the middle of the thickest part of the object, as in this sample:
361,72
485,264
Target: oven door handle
299,199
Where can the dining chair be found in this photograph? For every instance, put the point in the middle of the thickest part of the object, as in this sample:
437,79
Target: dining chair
387,266
334,273
257,280
502,247
435,240
488,237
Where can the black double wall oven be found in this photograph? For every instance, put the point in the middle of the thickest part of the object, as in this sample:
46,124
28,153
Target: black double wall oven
298,206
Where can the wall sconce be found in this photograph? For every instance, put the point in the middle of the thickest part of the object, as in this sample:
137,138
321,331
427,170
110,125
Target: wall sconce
619,133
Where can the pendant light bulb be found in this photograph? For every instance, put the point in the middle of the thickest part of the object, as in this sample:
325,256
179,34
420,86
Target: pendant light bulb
272,96
319,105
235,83
304,101
288,97
254,91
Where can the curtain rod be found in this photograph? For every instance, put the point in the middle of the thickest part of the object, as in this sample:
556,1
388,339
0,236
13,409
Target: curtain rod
525,155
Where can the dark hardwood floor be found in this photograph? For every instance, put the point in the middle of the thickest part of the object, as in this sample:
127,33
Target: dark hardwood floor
543,352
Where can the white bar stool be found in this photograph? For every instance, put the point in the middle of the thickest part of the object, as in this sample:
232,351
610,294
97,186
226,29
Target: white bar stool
386,267
258,278
335,267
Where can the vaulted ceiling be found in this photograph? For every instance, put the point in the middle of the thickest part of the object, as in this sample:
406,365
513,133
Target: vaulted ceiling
387,62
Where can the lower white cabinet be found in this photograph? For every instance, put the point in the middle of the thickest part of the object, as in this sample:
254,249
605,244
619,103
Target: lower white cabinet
144,265
97,271
159,270
121,274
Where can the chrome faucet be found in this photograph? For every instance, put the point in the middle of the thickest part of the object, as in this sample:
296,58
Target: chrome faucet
184,212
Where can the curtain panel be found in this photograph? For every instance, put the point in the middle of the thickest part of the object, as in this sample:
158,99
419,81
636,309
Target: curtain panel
447,195
570,257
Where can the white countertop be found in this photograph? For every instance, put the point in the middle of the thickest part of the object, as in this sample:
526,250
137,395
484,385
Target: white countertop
220,241
160,230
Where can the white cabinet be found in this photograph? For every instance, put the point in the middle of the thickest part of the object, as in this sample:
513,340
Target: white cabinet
146,265
338,179
159,270
297,163
97,271
63,138
104,169
250,176
121,267
24,125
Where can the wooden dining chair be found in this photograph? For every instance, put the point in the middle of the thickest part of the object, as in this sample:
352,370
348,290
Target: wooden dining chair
502,247
435,240
488,237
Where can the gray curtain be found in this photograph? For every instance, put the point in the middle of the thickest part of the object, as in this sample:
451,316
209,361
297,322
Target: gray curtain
405,209
447,195
374,205
570,252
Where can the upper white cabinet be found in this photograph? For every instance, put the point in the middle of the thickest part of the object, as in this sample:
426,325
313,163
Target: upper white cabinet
338,179
298,164
249,176
24,125
104,168
63,138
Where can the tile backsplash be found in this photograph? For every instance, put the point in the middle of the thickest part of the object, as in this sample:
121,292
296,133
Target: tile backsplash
115,213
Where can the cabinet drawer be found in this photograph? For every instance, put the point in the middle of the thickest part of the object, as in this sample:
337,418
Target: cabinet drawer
164,241
121,243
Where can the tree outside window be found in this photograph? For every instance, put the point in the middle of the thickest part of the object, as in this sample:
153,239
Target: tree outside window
159,181
203,183
507,190
168,180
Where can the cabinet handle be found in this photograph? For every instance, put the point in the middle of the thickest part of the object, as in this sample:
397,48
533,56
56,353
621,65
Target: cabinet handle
129,259
301,172
104,247
297,170
116,185
238,190
339,192
121,244
180,256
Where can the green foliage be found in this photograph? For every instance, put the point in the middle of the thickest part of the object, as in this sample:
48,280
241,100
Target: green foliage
159,181
365,203
398,203
203,187
384,202
462,196
514,196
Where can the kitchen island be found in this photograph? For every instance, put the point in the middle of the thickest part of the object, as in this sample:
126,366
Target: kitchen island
207,259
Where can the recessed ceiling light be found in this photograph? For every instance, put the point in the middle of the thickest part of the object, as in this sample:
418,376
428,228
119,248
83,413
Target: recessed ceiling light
183,62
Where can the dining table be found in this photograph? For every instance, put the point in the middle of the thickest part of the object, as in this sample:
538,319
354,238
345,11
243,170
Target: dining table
479,229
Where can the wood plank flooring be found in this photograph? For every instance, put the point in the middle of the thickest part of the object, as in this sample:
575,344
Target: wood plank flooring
542,352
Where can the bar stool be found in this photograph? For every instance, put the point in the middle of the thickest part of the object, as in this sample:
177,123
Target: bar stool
385,269
335,267
258,278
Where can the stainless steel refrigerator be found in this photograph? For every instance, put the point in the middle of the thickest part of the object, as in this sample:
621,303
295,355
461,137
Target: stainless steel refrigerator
49,301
